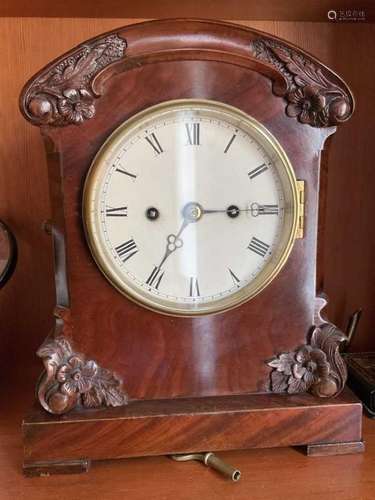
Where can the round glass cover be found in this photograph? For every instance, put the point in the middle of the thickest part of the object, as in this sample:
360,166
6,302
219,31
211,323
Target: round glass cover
190,207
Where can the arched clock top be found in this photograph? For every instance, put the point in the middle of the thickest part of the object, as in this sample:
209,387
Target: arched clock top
65,91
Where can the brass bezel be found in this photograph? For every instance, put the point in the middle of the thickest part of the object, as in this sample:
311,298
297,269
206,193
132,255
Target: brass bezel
233,300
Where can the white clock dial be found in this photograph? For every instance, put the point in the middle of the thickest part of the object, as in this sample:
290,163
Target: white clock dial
190,207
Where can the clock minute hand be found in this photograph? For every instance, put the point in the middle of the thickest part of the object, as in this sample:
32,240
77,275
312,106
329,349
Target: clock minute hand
232,211
204,211
255,209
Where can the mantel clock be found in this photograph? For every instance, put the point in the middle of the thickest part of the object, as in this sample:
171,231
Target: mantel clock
184,160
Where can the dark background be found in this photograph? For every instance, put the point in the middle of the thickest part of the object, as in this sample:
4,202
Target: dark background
346,263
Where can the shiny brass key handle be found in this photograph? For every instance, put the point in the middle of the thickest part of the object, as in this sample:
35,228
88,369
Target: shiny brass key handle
213,461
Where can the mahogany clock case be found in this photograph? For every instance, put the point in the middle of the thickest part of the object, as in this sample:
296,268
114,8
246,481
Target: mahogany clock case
156,356
78,100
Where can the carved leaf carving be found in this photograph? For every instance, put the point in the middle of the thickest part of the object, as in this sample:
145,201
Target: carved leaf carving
296,385
56,351
93,398
106,390
279,381
328,338
317,367
311,97
70,380
63,94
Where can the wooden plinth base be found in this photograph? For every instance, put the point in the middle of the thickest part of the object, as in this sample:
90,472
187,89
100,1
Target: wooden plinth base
67,443
48,468
327,449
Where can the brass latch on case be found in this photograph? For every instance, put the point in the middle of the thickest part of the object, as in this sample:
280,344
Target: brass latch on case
301,209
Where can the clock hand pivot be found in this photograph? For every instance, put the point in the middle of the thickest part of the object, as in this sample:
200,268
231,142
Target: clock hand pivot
192,212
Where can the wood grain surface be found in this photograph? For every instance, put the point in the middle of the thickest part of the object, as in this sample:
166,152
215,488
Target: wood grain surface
160,356
26,303
266,474
192,425
282,10
348,270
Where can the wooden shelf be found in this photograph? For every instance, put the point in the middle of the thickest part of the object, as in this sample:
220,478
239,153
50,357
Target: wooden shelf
276,10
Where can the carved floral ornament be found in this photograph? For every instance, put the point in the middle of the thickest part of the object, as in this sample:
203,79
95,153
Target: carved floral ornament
70,380
312,98
62,94
316,367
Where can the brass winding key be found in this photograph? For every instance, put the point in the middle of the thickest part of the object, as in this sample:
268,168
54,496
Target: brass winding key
211,460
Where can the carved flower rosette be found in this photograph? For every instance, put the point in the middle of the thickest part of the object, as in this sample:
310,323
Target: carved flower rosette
63,94
312,98
72,381
316,367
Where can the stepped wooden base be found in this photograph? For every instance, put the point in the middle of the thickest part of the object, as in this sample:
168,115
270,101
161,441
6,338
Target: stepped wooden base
67,443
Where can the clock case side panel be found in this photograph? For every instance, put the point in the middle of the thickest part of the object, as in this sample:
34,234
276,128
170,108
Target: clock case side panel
56,226
158,356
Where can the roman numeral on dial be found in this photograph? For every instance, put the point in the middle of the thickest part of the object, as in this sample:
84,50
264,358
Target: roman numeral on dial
194,288
268,209
257,171
154,143
116,212
258,246
193,134
230,143
127,250
257,209
234,277
129,174
155,277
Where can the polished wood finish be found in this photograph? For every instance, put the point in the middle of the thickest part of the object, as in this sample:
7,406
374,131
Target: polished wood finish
97,86
199,424
349,268
88,384
167,60
286,10
27,301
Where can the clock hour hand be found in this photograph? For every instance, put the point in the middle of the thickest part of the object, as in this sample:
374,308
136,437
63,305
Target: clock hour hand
191,212
173,243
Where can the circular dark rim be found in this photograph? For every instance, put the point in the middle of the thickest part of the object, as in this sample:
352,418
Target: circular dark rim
13,255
